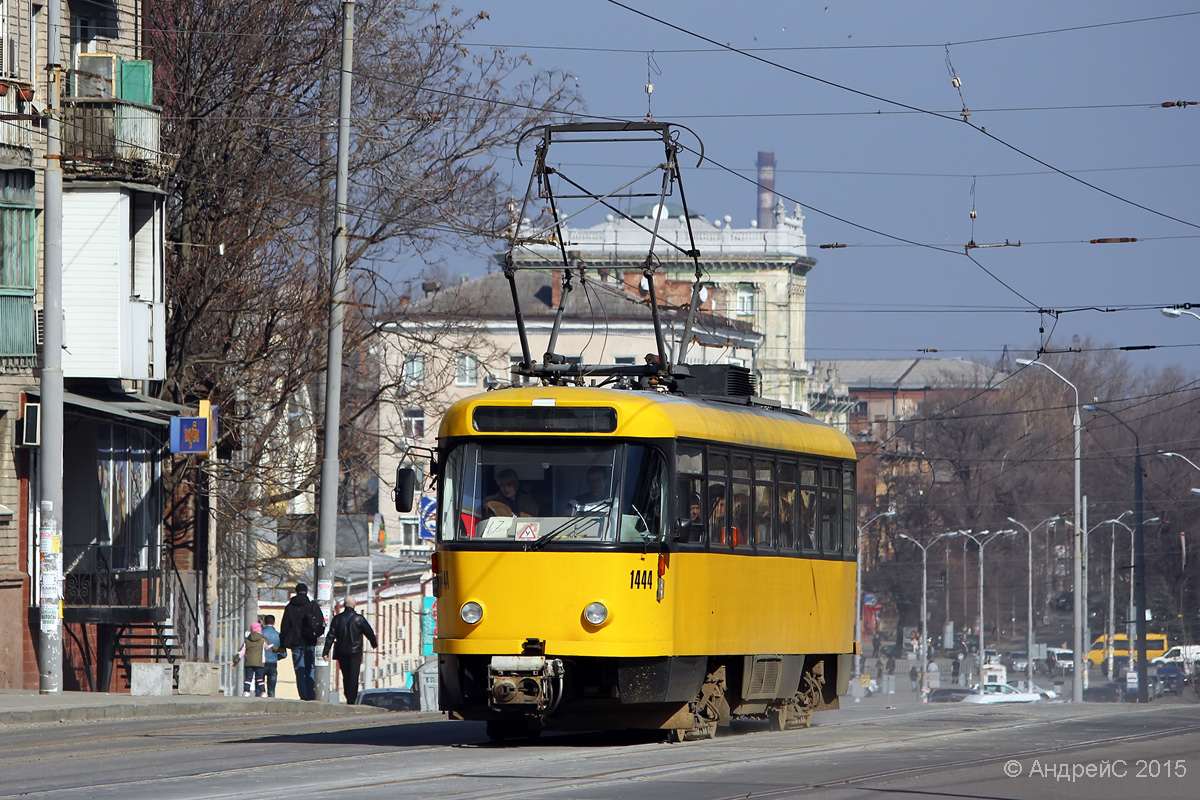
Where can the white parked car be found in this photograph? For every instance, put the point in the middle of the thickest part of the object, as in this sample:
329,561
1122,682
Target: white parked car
1026,686
1001,693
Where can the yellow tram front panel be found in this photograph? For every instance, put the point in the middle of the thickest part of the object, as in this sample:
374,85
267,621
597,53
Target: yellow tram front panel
542,595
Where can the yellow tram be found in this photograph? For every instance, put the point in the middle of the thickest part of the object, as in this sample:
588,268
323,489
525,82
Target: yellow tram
612,559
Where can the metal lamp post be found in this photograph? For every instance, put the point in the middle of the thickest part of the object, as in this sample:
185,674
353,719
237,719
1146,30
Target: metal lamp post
981,539
1112,575
1139,554
1029,566
924,605
858,602
1080,601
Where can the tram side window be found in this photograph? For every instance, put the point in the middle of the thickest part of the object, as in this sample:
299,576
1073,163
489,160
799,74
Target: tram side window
689,471
764,504
740,511
786,500
808,510
831,502
716,500
849,515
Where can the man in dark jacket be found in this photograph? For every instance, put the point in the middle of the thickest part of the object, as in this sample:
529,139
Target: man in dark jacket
303,623
346,632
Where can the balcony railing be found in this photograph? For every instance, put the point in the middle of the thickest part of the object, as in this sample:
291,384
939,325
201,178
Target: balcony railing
14,131
111,138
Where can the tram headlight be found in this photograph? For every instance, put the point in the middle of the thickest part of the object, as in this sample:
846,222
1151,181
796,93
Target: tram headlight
596,613
471,612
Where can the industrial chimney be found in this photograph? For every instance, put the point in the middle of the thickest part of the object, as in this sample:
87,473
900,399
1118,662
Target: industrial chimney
766,191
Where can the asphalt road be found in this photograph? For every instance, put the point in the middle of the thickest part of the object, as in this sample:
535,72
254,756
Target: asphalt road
936,751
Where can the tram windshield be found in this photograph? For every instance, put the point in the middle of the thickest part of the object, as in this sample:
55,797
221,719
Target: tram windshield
531,495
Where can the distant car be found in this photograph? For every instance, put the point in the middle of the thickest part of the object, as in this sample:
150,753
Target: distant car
1026,686
949,694
1001,693
1017,660
1104,693
391,699
1064,660
1171,679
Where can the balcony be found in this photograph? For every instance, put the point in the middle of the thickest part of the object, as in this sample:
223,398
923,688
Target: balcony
112,139
16,132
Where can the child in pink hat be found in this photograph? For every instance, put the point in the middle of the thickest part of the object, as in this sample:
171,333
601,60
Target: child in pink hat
254,671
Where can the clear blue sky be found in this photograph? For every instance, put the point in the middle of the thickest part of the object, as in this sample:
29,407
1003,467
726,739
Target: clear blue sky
1084,101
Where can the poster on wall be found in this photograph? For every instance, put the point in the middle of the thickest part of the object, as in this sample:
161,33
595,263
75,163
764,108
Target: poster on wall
428,625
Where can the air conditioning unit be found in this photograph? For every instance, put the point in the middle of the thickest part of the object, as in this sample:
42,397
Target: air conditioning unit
97,75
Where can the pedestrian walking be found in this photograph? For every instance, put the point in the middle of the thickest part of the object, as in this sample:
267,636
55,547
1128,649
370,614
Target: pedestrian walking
303,623
251,654
273,653
913,676
345,639
954,670
875,643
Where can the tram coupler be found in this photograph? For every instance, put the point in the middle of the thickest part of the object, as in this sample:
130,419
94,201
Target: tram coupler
529,682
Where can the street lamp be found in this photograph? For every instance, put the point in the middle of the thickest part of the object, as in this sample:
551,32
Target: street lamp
1175,313
1112,576
1139,554
858,602
924,607
1029,621
1080,602
980,539
1185,458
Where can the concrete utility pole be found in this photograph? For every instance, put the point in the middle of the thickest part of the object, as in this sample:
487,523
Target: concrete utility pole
50,467
331,463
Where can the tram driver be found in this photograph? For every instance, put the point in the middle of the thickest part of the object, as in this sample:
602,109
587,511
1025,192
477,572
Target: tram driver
509,501
596,498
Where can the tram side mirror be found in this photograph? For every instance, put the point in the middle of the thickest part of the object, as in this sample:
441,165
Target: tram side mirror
406,481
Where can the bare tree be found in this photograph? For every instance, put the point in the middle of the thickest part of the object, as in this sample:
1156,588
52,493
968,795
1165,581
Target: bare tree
249,96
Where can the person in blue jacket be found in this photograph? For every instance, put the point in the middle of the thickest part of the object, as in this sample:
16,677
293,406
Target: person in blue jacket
272,654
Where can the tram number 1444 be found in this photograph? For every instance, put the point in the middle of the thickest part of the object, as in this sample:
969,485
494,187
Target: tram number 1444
641,578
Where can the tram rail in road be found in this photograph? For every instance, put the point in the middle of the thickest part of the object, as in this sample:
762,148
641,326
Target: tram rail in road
980,752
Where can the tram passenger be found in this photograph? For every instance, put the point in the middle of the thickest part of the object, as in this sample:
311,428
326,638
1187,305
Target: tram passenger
716,513
694,509
509,501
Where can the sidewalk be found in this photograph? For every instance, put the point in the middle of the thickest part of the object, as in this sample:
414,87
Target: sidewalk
23,707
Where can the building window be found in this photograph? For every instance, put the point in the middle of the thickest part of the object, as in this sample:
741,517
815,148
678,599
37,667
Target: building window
414,371
628,361
17,281
466,371
412,423
745,299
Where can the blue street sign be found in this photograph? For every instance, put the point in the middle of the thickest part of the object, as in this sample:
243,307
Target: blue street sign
427,510
189,434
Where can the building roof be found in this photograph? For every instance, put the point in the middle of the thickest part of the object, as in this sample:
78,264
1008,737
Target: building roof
593,301
907,374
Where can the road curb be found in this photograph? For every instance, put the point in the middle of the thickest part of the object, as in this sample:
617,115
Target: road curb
199,707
